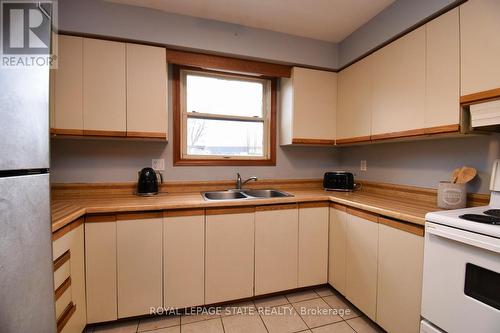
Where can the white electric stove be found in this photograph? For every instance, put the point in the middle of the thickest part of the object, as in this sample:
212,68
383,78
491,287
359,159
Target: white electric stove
461,282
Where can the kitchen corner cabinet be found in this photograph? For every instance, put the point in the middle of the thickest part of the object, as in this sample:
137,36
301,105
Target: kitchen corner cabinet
313,244
400,269
229,254
276,248
100,268
361,261
139,268
337,247
146,91
398,87
308,107
480,48
184,258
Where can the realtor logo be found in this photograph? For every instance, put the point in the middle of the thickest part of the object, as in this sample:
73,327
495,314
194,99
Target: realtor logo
26,32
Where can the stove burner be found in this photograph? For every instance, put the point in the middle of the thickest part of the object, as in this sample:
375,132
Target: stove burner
481,218
493,212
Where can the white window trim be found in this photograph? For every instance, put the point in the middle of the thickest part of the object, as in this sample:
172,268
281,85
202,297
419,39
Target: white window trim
266,116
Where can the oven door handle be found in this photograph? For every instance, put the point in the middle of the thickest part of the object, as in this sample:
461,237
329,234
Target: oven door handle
463,237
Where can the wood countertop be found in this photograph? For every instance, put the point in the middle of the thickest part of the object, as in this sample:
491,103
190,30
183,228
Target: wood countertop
409,204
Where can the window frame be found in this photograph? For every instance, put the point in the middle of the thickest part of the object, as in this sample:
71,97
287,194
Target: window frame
180,116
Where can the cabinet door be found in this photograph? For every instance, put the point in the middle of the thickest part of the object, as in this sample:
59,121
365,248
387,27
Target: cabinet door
68,87
337,248
229,254
480,46
354,102
146,91
361,261
443,71
104,88
184,258
100,268
399,86
276,248
139,263
313,244
400,266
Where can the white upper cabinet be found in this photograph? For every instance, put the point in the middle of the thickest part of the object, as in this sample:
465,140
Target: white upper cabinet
398,99
480,46
442,107
308,107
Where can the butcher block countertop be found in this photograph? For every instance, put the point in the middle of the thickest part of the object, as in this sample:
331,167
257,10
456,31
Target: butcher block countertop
409,204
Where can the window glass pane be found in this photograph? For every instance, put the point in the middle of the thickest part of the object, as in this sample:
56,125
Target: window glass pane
224,137
216,95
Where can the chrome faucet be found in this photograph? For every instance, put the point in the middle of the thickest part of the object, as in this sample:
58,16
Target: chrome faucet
240,183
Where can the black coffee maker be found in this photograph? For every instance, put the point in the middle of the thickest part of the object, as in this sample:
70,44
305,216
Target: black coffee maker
148,181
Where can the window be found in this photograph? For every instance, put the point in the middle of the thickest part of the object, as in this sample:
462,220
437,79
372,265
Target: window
223,118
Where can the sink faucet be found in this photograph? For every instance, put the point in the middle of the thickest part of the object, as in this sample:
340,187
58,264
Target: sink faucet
240,183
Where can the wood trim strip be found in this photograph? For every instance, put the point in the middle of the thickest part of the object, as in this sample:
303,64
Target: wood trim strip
303,141
65,316
400,134
355,139
276,207
363,214
139,215
62,288
314,204
183,212
96,218
66,131
61,260
442,129
147,135
229,210
63,231
479,97
210,61
404,226
104,133
338,207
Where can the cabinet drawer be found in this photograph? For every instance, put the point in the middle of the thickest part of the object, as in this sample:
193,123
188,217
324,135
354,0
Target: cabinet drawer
62,269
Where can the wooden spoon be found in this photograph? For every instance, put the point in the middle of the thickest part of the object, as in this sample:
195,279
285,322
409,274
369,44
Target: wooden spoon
454,175
466,174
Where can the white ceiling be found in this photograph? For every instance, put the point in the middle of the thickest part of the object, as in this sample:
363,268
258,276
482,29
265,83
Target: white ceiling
329,20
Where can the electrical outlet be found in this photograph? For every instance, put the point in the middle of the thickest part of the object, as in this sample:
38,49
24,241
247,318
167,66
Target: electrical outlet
158,164
363,165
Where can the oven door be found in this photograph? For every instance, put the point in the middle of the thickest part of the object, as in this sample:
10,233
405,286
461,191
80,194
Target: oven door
461,285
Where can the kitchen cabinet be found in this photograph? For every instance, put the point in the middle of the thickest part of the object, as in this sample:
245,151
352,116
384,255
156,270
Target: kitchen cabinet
104,88
67,87
313,244
480,49
139,267
308,107
398,88
229,254
100,268
400,269
146,91
442,107
361,261
276,248
69,276
337,249
354,109
184,258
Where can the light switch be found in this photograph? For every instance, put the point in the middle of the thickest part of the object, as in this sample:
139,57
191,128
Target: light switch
363,165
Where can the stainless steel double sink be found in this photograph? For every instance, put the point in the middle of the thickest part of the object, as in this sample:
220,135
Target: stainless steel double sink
244,194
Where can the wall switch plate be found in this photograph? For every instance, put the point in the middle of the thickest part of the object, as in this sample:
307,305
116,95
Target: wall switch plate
158,164
363,165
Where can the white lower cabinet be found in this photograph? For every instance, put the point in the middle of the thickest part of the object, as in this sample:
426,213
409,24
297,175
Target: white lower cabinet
229,254
313,244
400,266
276,248
361,263
139,263
337,247
184,258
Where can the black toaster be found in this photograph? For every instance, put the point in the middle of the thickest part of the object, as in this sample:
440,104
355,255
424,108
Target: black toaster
338,181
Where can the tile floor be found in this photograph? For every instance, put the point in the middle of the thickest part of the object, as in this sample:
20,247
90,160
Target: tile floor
317,310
